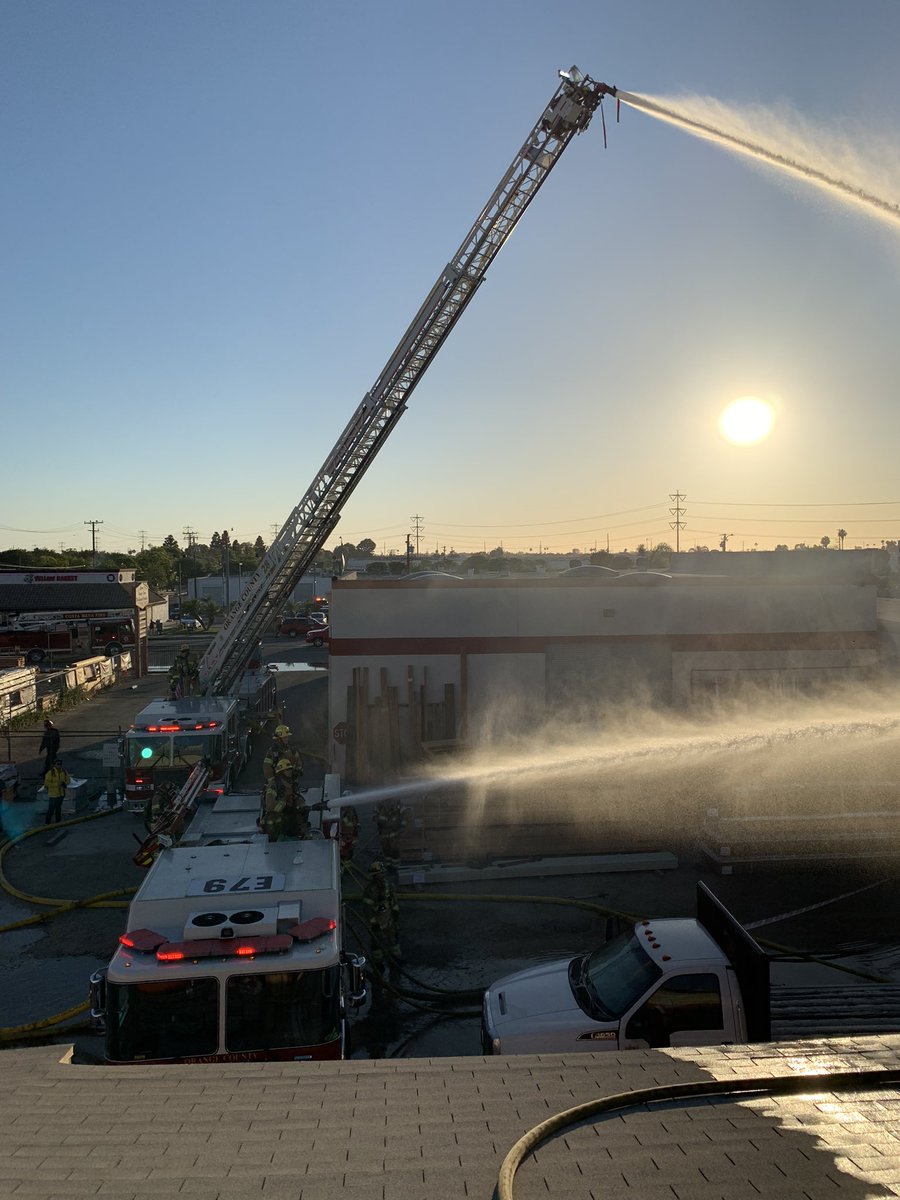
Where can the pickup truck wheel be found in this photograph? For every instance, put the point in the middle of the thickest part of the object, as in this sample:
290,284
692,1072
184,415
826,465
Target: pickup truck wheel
317,642
292,633
112,648
35,655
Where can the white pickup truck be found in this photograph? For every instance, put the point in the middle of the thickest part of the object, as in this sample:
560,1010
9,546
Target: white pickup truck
671,982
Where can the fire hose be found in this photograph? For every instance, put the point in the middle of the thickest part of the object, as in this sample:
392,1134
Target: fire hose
778,1086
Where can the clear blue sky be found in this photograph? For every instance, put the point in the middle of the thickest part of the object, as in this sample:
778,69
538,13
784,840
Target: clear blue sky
219,217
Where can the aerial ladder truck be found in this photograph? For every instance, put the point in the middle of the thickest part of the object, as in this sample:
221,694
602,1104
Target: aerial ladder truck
180,969
304,533
169,738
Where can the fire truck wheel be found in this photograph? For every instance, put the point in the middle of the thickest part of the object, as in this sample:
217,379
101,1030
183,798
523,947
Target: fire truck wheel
35,655
112,648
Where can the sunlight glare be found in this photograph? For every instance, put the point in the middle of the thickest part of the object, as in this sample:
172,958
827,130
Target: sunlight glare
747,421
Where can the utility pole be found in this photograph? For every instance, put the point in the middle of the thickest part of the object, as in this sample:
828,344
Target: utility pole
191,535
226,568
143,533
677,512
408,552
723,544
93,525
418,530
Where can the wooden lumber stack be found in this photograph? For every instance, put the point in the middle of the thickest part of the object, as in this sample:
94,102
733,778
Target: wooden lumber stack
390,727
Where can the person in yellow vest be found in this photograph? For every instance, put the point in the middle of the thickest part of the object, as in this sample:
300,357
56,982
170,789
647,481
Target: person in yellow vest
55,781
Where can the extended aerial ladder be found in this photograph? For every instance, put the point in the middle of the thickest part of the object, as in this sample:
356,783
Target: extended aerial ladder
303,535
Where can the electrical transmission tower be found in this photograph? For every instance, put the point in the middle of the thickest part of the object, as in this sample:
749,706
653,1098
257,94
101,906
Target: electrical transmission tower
418,530
678,513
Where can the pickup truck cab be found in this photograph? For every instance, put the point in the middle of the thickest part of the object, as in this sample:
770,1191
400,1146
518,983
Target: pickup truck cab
668,982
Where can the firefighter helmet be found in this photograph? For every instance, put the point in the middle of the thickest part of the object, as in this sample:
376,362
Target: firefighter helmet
282,731
284,764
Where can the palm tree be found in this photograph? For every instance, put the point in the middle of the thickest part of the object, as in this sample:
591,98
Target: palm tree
842,533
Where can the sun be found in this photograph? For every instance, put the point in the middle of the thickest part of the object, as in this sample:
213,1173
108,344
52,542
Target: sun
747,421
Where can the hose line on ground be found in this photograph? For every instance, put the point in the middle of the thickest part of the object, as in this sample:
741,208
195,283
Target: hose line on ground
11,1033
104,900
778,1086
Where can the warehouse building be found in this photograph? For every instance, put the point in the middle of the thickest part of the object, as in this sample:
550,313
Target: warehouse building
437,660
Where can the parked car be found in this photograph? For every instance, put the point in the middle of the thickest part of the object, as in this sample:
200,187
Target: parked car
320,636
191,623
294,626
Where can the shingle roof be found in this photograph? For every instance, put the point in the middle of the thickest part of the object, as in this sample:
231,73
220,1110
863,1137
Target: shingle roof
438,1129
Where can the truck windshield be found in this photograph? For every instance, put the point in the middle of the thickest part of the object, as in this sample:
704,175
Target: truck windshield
148,752
189,749
618,974
284,1008
175,1018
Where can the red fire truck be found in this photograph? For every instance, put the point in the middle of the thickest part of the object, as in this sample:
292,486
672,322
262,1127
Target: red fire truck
232,953
59,636
169,738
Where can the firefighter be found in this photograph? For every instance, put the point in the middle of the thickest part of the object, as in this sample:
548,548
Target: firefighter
279,749
285,814
272,809
391,820
382,914
349,833
184,674
158,802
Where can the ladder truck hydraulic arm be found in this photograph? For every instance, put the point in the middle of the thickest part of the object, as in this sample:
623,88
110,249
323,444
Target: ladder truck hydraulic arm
303,535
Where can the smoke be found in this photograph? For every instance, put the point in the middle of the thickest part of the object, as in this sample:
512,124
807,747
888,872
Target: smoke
862,169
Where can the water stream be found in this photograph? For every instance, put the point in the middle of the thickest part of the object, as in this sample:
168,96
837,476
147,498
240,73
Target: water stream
862,171
816,745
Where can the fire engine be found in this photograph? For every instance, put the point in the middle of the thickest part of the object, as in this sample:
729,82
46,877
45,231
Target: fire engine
40,635
169,738
232,952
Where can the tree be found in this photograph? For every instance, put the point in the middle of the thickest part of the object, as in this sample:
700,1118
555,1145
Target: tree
171,545
259,547
842,533
157,566
825,541
208,609
366,546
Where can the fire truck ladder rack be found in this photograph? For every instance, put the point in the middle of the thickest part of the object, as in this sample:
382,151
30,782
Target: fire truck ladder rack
168,825
304,533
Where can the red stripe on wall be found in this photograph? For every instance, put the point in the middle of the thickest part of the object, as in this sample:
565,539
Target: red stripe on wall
853,639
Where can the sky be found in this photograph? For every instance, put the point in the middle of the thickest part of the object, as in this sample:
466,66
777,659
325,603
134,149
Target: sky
218,217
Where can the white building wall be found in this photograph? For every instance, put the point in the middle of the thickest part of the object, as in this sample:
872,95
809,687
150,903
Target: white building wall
514,649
